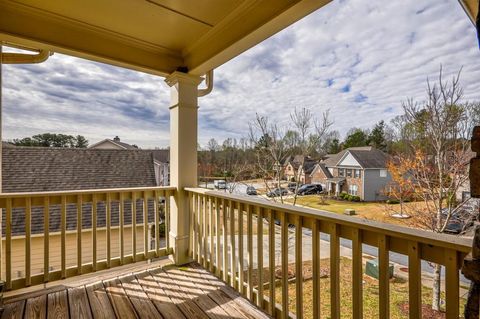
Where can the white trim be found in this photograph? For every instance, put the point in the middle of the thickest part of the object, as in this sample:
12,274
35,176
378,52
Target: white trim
107,140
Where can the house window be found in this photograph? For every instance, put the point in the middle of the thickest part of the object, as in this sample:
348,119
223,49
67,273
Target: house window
349,173
383,173
353,190
341,172
357,173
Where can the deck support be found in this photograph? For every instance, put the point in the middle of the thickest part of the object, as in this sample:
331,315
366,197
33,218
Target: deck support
183,157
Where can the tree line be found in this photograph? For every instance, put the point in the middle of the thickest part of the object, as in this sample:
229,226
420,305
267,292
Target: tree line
52,140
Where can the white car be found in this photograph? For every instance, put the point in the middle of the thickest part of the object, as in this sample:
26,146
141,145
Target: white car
220,184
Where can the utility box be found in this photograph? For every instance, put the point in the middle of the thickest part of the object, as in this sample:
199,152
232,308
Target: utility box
349,212
371,269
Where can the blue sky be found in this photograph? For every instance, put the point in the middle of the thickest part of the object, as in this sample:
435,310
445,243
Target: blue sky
358,58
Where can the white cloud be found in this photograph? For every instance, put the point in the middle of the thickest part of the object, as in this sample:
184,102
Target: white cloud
358,58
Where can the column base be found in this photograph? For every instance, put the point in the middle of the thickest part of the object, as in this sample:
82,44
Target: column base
180,246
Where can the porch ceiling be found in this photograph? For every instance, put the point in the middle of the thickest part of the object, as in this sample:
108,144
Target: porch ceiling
471,8
154,36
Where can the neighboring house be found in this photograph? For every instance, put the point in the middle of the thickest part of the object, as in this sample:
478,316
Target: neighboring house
359,171
39,169
114,144
161,157
299,167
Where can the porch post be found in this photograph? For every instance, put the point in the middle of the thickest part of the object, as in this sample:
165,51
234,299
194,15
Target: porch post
183,157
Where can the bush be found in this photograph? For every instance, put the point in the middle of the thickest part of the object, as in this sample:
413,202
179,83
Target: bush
355,198
343,195
392,201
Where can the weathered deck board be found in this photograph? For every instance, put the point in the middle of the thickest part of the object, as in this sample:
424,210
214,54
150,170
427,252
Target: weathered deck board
36,308
159,297
57,305
179,298
243,305
99,301
14,310
139,299
122,306
170,293
78,303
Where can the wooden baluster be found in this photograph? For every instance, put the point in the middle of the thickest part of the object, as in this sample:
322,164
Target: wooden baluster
108,220
204,231
191,208
271,259
94,232
414,281
383,276
28,241
79,233
233,261
8,244
335,270
357,274
63,236
225,243
146,244
250,253
452,283
167,219
121,222
260,256
199,228
134,226
241,268
298,267
284,257
217,239
211,233
46,238
316,268
157,223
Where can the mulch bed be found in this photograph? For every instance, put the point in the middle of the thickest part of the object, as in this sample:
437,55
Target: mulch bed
427,311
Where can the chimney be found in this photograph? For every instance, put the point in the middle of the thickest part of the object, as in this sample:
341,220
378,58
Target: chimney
116,139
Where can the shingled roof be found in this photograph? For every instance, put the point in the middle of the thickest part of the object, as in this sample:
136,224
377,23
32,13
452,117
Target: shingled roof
366,156
35,169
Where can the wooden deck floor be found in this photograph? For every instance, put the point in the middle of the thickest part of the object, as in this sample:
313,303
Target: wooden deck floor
166,292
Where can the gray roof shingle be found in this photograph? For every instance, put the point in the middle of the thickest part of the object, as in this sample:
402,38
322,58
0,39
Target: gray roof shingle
36,169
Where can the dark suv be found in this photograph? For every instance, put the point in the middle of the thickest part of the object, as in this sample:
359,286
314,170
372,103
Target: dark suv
309,189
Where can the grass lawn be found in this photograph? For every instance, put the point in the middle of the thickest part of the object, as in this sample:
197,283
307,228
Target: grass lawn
368,210
398,294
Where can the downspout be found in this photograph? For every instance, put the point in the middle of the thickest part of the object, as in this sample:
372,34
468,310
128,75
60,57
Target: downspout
21,58
209,83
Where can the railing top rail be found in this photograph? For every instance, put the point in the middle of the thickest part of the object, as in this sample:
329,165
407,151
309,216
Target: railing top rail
86,191
422,236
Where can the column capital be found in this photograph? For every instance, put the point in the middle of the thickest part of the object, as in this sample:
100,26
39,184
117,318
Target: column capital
180,77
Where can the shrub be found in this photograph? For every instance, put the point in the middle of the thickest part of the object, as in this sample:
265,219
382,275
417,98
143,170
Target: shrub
392,201
343,195
355,198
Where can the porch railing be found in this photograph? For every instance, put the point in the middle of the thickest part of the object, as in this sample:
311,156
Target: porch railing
54,235
221,223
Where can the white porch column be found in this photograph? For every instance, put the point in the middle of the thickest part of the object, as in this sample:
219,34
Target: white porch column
183,157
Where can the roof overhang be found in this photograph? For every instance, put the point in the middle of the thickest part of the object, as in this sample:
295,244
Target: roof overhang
153,36
471,8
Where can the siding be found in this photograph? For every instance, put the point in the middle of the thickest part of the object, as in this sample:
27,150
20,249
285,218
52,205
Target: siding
374,185
18,249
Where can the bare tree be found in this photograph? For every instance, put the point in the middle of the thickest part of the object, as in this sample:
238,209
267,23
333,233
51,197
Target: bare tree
310,131
438,136
271,153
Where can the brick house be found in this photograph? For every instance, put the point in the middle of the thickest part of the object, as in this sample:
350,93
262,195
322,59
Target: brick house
359,171
293,169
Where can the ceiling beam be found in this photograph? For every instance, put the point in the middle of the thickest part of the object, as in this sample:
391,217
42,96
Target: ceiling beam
30,27
248,25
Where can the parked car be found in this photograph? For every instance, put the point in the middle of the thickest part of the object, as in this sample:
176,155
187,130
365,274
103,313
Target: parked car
292,186
277,191
459,221
251,190
220,184
310,189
